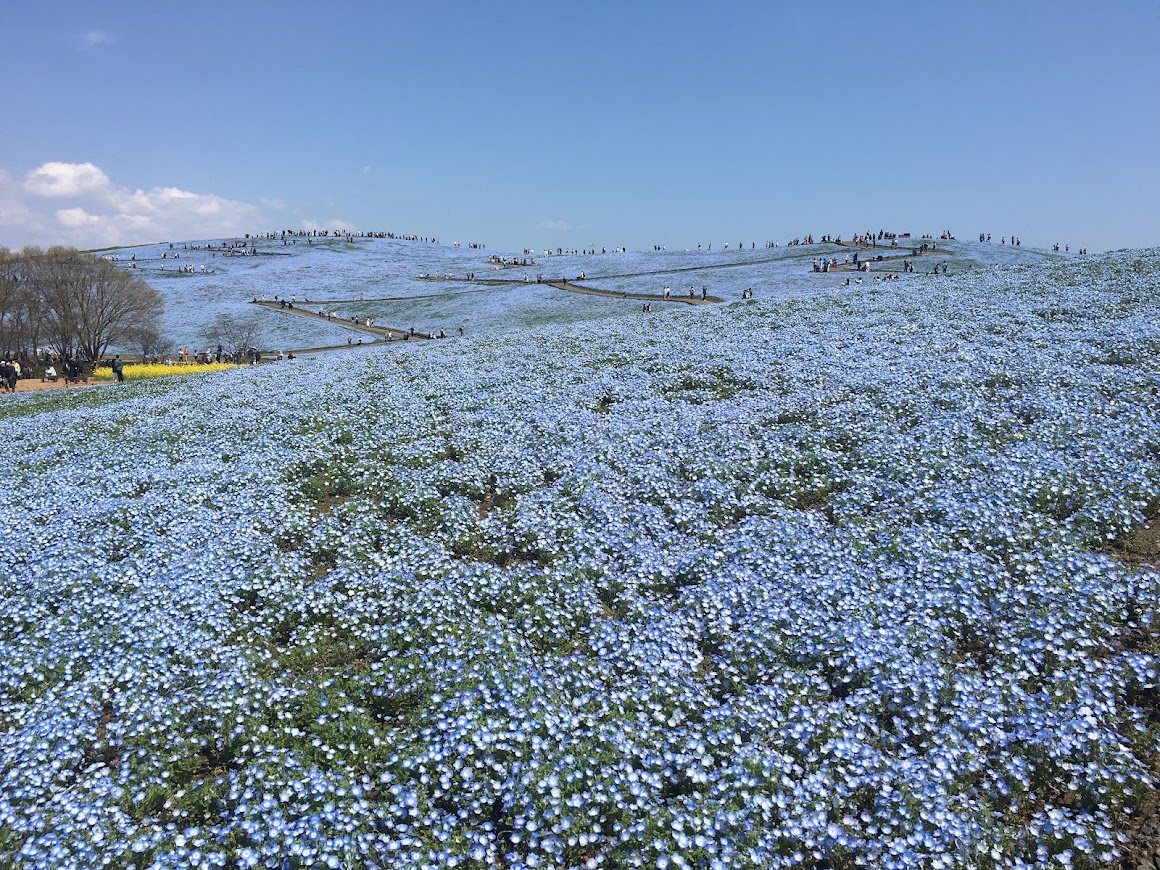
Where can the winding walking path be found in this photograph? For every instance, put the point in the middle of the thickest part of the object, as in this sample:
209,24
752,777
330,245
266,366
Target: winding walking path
644,297
388,333
481,285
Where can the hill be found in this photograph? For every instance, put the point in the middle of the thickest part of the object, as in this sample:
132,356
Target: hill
379,278
840,576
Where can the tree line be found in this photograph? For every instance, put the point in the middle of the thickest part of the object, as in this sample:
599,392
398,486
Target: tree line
67,304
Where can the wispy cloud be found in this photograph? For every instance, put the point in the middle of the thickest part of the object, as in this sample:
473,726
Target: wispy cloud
553,225
92,38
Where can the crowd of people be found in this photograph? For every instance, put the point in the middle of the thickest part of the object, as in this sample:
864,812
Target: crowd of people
73,370
9,375
349,235
667,293
497,260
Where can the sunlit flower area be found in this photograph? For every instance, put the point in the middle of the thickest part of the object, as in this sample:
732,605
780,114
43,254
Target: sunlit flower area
859,577
145,371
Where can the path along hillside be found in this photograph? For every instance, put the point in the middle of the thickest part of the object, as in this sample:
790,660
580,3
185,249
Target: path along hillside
380,280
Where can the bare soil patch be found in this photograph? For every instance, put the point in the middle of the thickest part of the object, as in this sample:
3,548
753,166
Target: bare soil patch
35,385
1142,545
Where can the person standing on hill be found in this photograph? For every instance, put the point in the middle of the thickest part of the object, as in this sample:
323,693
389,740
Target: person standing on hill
119,369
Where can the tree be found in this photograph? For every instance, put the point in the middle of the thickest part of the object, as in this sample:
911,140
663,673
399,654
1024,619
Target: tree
234,335
149,341
11,321
89,303
21,317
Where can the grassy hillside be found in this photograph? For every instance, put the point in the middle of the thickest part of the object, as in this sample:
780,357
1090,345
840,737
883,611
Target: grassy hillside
379,278
842,577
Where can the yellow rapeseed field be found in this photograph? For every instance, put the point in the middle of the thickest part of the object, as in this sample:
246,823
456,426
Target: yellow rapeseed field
141,372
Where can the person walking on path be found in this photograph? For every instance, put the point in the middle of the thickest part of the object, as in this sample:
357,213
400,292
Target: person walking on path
119,369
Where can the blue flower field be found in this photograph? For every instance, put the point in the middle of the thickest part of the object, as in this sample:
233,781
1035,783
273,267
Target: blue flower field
835,577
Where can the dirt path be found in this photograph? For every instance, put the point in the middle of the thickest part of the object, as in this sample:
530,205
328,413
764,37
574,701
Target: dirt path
481,285
558,284
644,297
573,287
811,254
873,253
485,282
712,268
36,385
386,332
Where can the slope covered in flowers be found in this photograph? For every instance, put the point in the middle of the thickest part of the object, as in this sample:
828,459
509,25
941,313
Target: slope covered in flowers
830,581
379,278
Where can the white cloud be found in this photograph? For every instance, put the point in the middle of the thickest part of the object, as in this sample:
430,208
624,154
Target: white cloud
14,212
74,218
97,37
77,204
66,179
553,225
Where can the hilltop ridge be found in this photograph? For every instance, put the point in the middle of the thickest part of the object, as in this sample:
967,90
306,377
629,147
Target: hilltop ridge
403,284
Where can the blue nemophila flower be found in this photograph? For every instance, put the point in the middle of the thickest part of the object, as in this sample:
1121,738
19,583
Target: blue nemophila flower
832,578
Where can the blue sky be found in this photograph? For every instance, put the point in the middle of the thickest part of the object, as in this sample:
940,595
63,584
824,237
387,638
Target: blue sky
541,124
